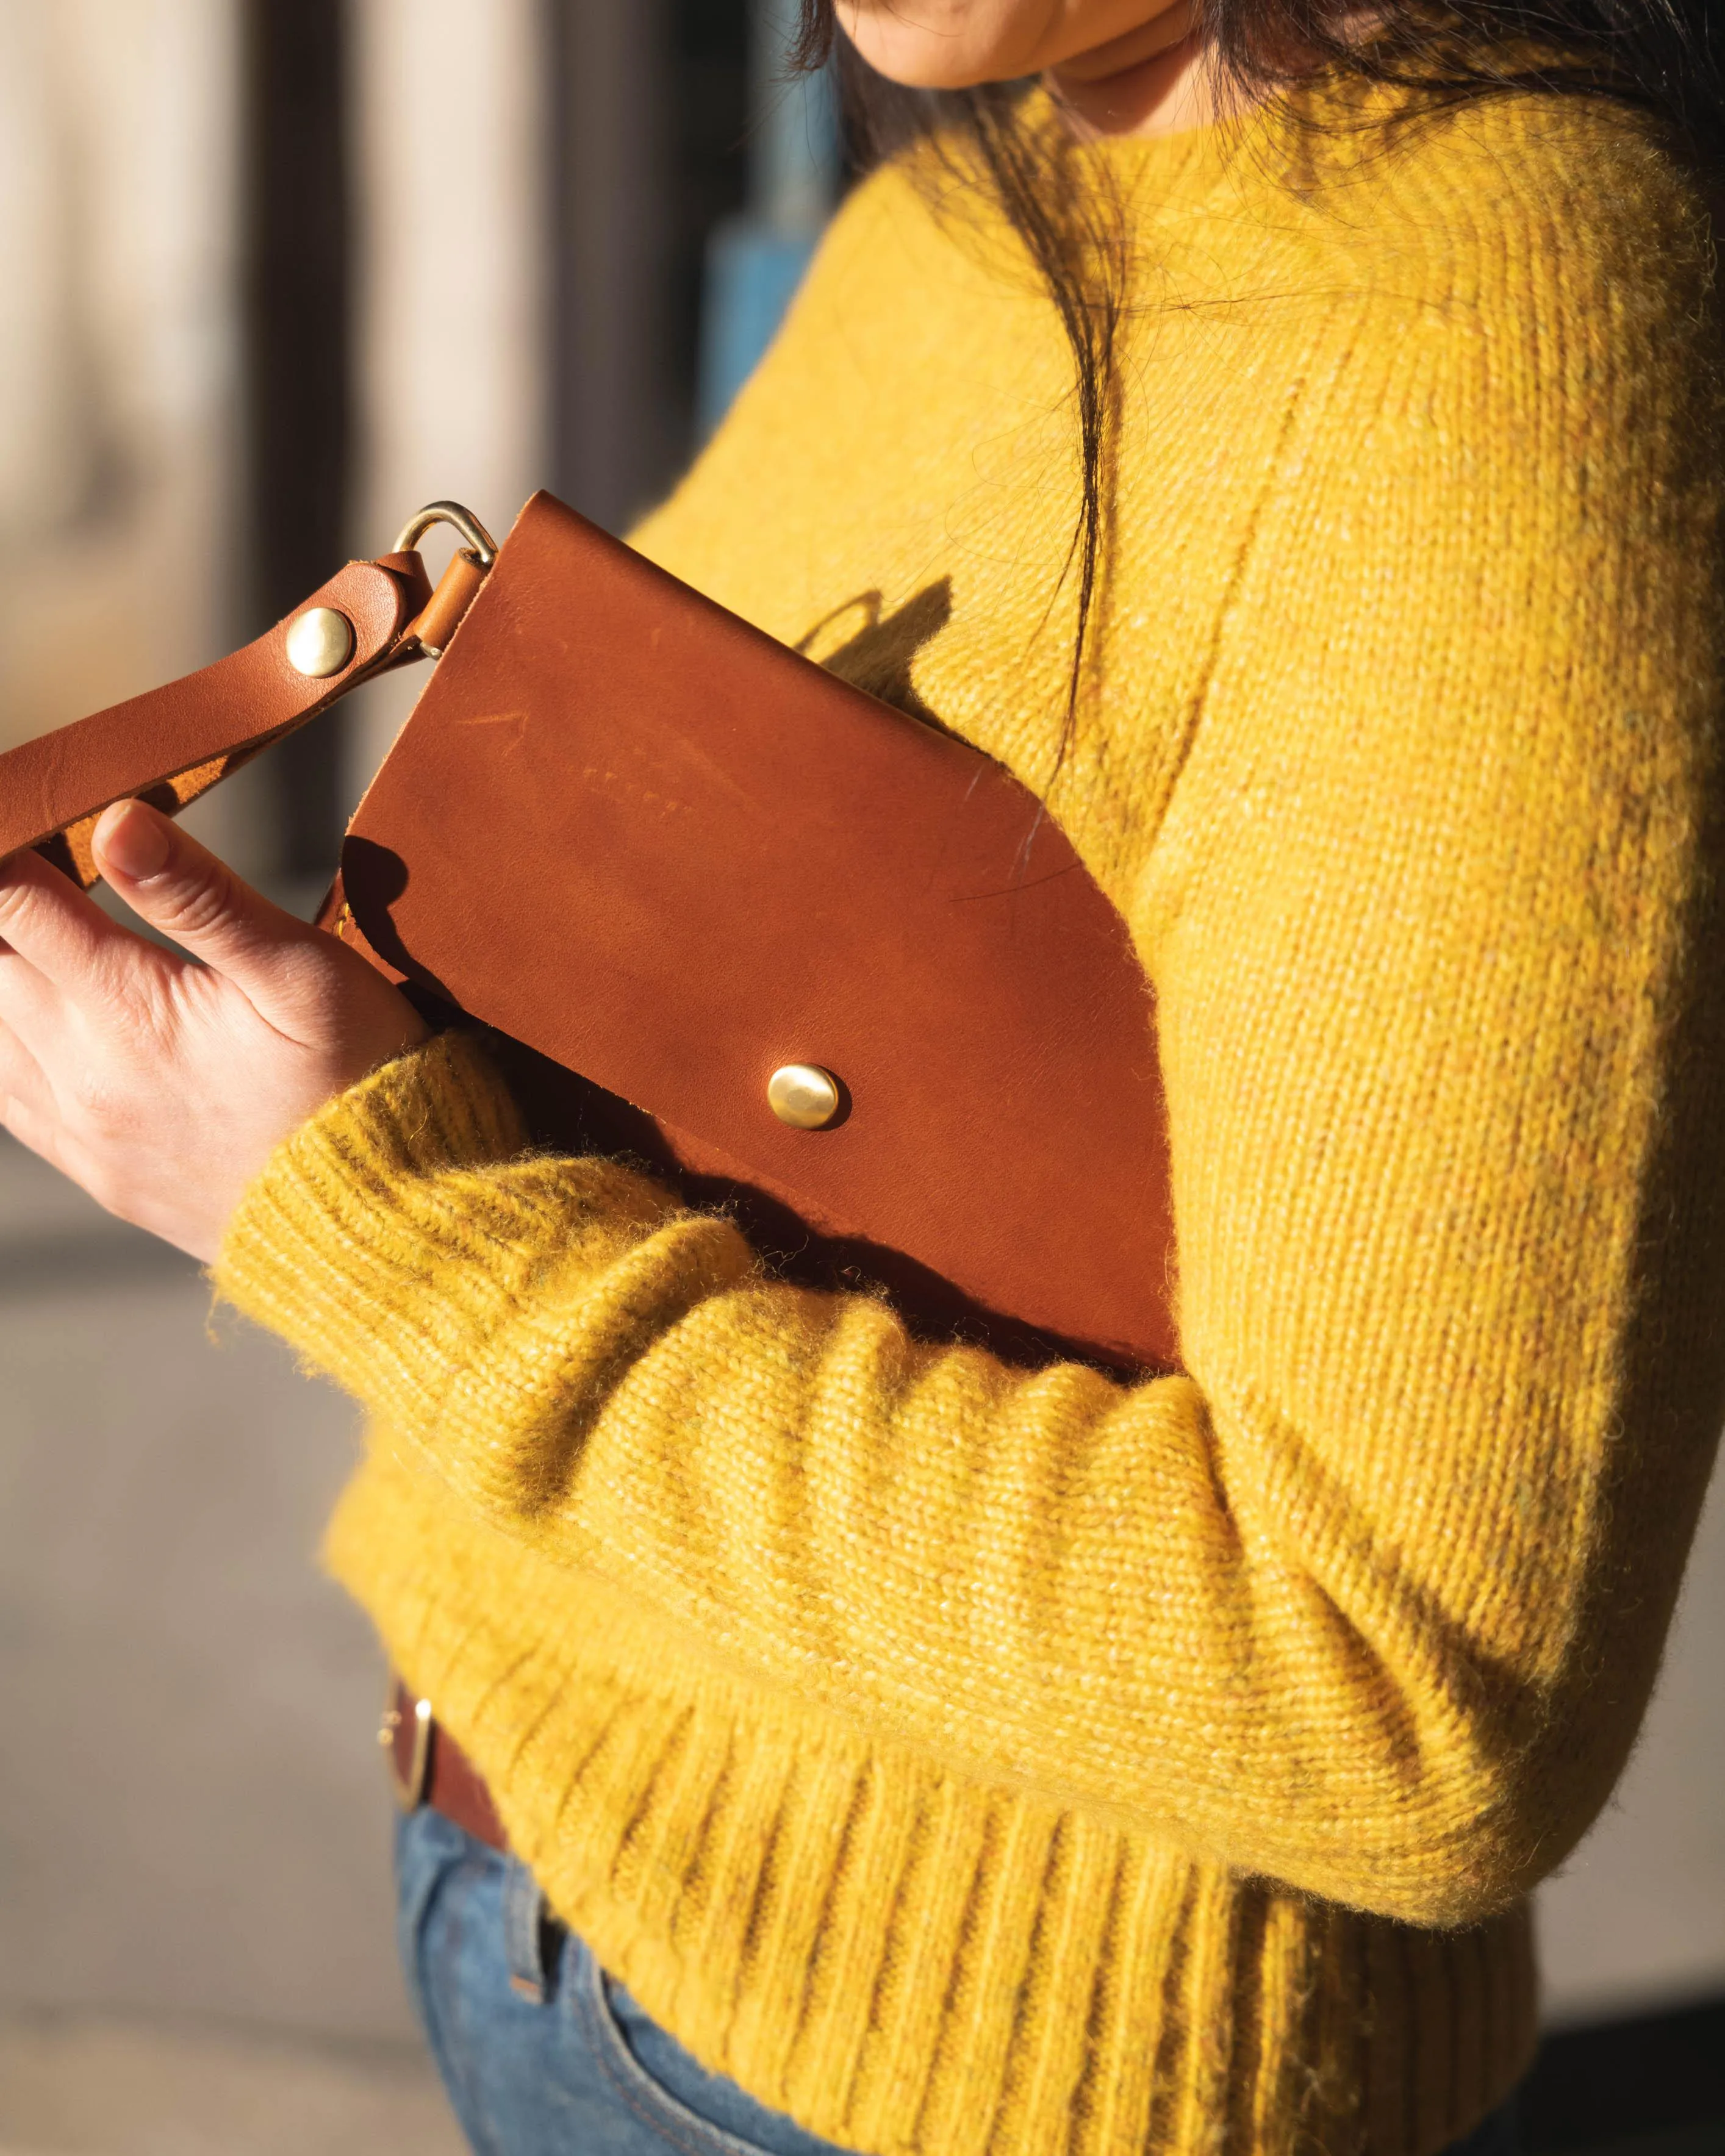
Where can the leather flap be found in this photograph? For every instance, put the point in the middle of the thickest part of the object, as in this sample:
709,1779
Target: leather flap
633,832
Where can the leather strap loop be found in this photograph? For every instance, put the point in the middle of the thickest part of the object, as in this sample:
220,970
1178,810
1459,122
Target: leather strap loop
175,742
456,591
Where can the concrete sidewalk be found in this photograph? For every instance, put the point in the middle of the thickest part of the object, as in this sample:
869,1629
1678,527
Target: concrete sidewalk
196,1924
96,2087
196,1949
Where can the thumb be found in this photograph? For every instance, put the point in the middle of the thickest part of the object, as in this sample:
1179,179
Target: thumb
180,887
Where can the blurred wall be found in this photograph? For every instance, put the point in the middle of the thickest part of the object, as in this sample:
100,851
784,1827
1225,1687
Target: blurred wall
617,434
119,376
450,104
451,109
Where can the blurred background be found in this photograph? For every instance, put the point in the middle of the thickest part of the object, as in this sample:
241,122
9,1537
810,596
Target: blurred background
275,272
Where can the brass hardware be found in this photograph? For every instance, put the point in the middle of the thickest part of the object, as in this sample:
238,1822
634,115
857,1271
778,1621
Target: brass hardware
409,1788
479,542
803,1096
320,643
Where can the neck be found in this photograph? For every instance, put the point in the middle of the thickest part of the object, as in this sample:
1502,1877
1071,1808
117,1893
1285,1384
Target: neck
1153,80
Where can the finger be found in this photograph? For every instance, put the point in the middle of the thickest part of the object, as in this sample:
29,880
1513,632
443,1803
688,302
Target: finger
33,1111
50,924
181,888
41,1130
31,1005
24,1091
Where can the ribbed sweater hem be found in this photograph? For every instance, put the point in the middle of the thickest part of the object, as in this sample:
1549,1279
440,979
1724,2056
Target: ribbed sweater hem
899,1956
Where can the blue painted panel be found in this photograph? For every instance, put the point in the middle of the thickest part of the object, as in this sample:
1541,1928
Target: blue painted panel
753,273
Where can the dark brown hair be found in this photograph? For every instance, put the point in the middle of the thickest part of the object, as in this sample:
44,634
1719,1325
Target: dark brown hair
1658,55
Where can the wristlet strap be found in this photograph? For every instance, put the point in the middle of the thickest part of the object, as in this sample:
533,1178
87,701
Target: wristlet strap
174,743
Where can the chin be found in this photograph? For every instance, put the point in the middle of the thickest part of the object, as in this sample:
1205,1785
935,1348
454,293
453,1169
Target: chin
919,70
922,57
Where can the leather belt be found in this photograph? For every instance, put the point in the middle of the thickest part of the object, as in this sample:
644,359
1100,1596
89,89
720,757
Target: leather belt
430,1767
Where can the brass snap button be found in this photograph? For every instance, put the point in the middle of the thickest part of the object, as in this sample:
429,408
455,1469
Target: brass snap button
320,643
803,1096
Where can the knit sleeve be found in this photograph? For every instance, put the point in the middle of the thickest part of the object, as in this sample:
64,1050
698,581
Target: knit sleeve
1368,1598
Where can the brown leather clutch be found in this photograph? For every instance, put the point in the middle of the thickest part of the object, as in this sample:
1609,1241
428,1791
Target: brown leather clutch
797,950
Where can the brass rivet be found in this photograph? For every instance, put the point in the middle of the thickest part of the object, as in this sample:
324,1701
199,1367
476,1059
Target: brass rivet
320,643
803,1096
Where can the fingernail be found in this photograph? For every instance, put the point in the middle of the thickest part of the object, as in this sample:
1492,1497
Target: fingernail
133,839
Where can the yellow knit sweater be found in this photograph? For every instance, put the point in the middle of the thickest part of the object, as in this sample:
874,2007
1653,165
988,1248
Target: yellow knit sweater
974,1761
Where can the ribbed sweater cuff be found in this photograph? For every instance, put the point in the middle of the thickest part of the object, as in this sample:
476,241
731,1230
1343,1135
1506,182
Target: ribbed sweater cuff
388,1237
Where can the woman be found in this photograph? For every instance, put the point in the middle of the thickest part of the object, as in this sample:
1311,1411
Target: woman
947,1757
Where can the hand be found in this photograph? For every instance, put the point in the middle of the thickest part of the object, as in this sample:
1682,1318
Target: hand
159,1084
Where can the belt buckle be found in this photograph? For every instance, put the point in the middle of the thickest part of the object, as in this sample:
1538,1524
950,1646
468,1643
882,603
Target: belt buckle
409,1788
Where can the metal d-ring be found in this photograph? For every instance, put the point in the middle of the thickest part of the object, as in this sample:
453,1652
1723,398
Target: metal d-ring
483,545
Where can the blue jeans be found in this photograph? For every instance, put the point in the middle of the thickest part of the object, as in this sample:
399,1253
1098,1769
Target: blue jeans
544,2054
